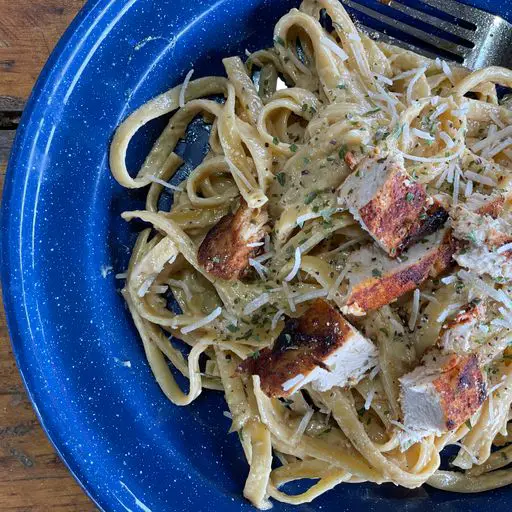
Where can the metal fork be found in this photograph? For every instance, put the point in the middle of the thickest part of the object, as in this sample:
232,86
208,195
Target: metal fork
438,28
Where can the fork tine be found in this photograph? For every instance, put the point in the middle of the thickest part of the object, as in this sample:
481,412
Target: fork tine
386,38
426,39
460,10
451,28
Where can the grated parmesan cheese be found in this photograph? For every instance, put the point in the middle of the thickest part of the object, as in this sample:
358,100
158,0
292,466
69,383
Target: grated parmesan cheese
303,425
256,304
415,158
472,456
145,286
183,89
415,309
296,265
184,286
369,398
456,186
447,140
315,294
237,173
422,134
497,295
202,322
383,79
412,82
478,178
122,275
334,48
447,71
264,257
290,383
448,279
256,244
261,270
469,188
504,248
490,139
288,295
276,318
499,148
154,179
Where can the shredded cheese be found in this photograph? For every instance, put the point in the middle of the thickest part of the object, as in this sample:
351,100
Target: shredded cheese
447,139
423,135
261,270
276,318
290,383
412,82
497,295
256,244
146,285
237,173
288,295
296,265
439,110
490,139
303,425
334,48
504,248
499,148
256,304
202,322
456,186
315,294
122,275
264,257
184,286
183,89
478,178
154,179
369,398
447,71
415,309
415,158
469,188
383,79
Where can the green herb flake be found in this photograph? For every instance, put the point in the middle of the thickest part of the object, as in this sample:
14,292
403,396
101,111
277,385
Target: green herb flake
376,273
310,197
275,140
281,178
472,237
256,354
232,328
280,40
342,151
409,197
370,112
293,148
341,86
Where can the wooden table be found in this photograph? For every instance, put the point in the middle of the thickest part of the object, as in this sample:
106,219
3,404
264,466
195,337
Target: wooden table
32,477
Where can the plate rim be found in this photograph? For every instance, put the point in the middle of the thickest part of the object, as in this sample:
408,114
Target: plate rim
77,32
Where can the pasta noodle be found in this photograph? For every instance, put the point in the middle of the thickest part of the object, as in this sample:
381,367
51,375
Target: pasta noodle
281,126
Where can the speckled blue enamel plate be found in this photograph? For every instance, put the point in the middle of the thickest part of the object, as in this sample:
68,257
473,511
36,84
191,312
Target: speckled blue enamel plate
74,341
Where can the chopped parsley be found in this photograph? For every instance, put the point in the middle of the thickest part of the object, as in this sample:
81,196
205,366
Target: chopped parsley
376,273
275,140
341,86
293,148
256,354
232,328
280,40
468,424
370,112
410,197
342,151
472,237
281,178
310,197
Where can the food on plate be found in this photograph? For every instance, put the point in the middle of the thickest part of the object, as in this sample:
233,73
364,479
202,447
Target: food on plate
338,264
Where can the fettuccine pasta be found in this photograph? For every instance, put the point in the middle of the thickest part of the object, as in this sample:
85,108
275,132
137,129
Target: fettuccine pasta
284,126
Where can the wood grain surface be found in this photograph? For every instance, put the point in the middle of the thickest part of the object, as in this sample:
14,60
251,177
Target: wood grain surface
32,477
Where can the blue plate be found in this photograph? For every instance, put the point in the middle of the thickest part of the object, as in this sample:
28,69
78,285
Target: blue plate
74,341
